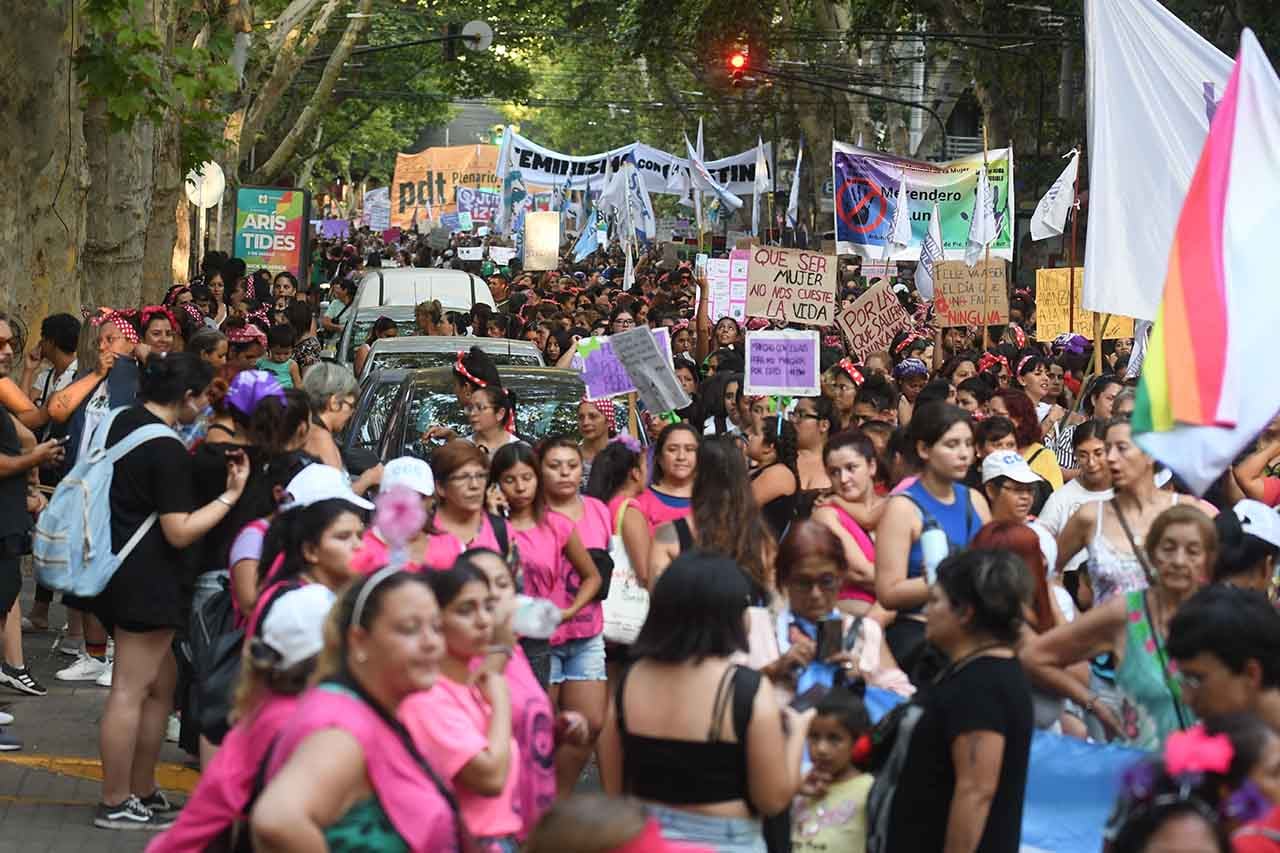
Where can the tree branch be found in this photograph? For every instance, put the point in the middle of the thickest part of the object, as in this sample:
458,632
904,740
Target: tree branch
289,145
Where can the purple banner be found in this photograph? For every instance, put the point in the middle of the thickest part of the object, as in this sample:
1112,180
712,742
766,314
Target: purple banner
335,229
481,204
782,363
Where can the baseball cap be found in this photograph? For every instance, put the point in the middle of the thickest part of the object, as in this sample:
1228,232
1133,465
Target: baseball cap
1008,463
294,626
1259,520
410,472
319,482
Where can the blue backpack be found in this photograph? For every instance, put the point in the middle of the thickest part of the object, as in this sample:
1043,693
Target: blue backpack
72,544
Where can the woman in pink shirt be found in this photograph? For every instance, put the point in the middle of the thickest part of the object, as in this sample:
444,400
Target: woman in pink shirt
555,563
461,470
463,723
579,681
850,458
675,457
538,730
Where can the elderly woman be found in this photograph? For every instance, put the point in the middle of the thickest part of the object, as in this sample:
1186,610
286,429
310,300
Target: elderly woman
333,392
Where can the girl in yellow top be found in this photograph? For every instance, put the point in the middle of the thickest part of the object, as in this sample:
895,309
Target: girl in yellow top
1017,407
829,814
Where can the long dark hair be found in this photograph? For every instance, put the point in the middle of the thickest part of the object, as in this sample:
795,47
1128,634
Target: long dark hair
610,468
780,434
519,453
725,513
292,529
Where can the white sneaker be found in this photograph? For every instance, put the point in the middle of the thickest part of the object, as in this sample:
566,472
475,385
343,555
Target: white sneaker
104,680
5,718
173,731
86,668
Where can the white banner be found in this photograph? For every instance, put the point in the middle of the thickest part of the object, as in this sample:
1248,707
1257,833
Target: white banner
1153,85
543,166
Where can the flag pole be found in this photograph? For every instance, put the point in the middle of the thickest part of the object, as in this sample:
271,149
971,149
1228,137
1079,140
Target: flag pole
1071,275
986,330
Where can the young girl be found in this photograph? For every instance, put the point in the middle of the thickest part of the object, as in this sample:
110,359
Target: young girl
555,562
279,358
830,812
772,446
464,722
578,677
675,458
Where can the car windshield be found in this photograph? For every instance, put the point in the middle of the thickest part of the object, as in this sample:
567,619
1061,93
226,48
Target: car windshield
363,323
546,404
414,360
373,423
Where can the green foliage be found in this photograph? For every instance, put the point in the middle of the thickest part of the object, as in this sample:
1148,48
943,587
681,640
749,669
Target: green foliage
139,76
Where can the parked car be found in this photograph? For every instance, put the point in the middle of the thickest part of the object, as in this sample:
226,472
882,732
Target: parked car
419,351
396,292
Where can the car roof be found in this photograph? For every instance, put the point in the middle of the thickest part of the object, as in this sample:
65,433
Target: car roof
457,290
512,374
452,343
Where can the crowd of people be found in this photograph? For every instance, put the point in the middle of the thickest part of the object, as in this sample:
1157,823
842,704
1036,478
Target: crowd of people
825,623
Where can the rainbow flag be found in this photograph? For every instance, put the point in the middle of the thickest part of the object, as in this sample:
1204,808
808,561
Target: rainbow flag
1205,391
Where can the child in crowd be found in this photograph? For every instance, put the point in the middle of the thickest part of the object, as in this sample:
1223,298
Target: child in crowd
830,812
279,358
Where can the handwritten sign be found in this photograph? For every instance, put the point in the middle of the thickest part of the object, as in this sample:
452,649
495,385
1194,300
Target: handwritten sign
718,283
791,285
970,296
501,255
1053,292
649,367
471,253
603,373
739,262
870,323
782,363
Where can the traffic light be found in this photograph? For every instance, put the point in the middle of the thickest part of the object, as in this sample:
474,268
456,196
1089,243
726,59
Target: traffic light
737,67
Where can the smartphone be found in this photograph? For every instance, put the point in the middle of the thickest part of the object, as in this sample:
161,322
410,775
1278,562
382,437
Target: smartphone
64,439
809,698
830,638
700,264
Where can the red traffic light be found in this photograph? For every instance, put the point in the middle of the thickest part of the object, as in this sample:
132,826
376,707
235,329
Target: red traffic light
738,61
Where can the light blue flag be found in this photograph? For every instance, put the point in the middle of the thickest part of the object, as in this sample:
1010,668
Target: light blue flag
588,240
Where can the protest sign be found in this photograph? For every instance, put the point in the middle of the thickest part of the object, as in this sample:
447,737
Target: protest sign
438,239
970,296
782,364
501,255
739,260
471,253
603,373
377,209
541,240
271,229
718,288
481,202
334,229
1053,293
649,369
792,285
464,221
870,323
482,231
425,184
449,221
866,194
878,269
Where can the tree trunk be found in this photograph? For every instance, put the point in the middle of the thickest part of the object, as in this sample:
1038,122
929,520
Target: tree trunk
42,167
118,209
319,98
162,228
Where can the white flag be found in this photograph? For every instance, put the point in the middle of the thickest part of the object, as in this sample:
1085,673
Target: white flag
930,254
793,201
1153,84
704,180
1051,213
900,228
761,186
982,220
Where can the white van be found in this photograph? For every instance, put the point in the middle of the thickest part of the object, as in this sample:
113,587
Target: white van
455,289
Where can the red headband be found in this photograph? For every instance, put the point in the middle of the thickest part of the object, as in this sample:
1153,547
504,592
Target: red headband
990,360
246,334
151,312
461,369
850,370
120,319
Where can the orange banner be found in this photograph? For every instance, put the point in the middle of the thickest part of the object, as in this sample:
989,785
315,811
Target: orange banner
424,183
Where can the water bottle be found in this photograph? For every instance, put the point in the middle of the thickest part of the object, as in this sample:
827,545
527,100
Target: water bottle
934,548
535,618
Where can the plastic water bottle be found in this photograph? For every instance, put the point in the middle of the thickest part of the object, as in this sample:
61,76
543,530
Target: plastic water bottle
535,618
934,548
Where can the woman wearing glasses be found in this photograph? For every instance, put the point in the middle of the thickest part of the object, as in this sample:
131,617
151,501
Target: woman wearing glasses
492,414
461,471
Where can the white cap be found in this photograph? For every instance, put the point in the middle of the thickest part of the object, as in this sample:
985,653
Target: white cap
410,472
294,626
1008,463
319,482
1259,520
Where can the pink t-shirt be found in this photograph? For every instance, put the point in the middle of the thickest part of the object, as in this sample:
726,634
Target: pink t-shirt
444,548
450,724
594,530
533,724
541,549
660,509
852,592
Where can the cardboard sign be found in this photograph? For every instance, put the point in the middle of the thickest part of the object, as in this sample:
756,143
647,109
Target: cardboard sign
970,296
471,253
782,363
1053,292
542,240
739,261
718,285
649,367
792,285
425,184
870,323
603,373
501,255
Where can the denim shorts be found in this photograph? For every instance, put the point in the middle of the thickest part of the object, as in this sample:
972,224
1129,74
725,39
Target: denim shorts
722,834
578,660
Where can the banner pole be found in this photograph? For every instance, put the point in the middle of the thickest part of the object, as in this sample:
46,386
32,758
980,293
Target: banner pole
986,330
1071,293
1099,326
632,418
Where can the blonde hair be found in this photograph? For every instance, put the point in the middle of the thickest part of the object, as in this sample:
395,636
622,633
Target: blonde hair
1184,514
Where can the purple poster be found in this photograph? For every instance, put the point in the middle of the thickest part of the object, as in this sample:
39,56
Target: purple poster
482,204
782,364
603,373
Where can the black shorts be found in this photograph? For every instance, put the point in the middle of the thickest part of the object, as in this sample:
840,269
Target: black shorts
141,598
10,582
